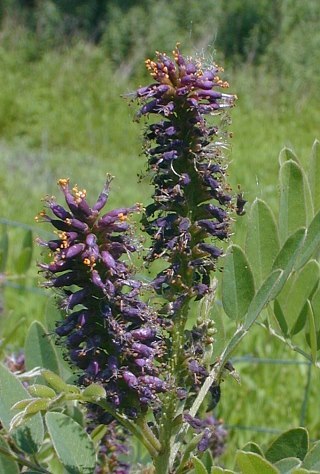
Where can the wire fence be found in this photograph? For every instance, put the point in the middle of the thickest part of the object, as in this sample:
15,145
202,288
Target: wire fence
282,362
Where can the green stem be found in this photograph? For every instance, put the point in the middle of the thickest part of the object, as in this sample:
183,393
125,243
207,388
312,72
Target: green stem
150,442
148,434
23,462
161,462
288,343
168,424
213,376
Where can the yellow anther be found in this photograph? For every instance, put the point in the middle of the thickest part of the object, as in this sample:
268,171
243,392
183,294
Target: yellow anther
62,235
122,217
63,182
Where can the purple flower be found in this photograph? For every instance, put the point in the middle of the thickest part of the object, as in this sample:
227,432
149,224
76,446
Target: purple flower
214,435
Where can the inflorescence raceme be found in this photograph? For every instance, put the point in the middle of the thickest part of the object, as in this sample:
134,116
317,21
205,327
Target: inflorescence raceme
191,202
110,333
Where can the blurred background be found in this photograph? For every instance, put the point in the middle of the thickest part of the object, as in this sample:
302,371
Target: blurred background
67,69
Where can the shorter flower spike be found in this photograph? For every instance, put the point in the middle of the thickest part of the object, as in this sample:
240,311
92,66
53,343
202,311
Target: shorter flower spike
110,334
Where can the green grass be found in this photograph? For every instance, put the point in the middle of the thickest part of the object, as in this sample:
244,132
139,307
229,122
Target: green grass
63,116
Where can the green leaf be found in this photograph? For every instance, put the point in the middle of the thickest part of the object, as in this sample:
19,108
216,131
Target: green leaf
286,465
39,350
7,465
98,433
207,460
252,463
313,338
28,437
24,259
21,404
36,405
199,467
302,288
280,318
286,257
292,208
262,241
312,459
252,448
311,243
262,297
237,283
4,249
72,444
55,381
292,443
93,392
315,304
41,391
314,175
287,154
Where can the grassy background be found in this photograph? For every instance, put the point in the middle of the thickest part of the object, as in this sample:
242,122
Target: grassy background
62,115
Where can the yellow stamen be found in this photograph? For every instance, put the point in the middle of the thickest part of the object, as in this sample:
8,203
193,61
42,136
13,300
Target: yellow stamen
63,182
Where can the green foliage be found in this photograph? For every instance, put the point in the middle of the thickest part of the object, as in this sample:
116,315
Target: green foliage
289,453
71,443
293,443
237,284
28,437
39,350
261,247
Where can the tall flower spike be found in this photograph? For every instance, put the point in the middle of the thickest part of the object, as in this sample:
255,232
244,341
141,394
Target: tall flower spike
189,216
110,334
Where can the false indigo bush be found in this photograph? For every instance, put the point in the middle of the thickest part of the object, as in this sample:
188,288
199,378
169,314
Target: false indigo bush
148,362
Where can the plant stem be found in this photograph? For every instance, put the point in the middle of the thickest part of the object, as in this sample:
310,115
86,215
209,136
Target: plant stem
146,436
149,436
23,462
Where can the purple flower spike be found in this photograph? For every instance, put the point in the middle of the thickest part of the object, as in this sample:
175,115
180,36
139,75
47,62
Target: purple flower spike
114,337
184,152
